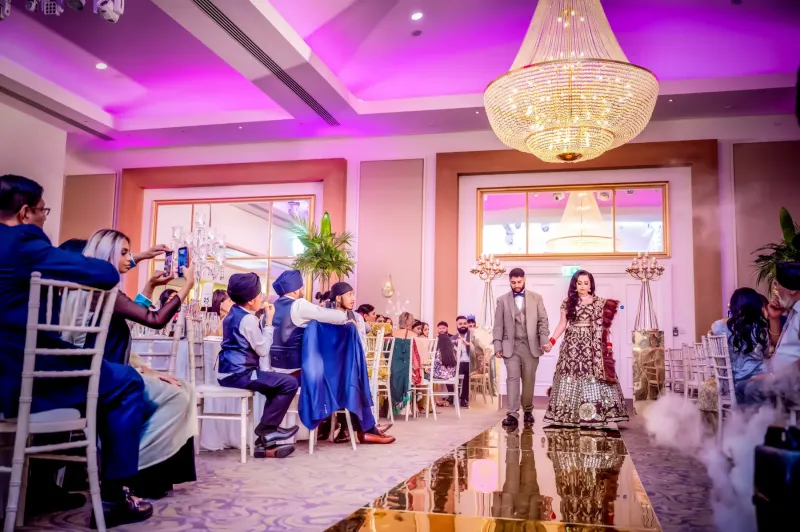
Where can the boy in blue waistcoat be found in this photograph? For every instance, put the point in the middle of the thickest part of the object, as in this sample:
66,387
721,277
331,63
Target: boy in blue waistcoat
243,344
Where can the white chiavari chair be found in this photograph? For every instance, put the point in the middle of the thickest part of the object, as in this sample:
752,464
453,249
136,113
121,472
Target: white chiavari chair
203,391
677,379
703,360
151,356
432,383
692,374
480,378
90,314
720,360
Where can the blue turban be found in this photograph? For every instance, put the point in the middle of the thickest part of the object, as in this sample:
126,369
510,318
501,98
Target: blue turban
244,287
288,281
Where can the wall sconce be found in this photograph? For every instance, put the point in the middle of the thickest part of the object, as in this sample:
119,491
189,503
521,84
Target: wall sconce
388,287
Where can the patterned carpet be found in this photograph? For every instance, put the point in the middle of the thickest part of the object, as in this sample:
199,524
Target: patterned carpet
303,492
312,493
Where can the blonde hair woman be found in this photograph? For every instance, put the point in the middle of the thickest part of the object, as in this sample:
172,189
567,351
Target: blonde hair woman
166,449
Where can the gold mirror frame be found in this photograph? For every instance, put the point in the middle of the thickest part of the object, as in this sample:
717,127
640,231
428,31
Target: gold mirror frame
614,187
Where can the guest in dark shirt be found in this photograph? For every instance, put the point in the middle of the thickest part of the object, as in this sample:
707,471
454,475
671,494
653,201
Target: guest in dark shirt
24,249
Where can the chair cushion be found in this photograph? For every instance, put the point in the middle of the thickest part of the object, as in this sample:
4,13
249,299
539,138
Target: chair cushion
49,416
213,390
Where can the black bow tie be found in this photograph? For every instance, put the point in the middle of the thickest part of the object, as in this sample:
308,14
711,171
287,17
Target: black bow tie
519,294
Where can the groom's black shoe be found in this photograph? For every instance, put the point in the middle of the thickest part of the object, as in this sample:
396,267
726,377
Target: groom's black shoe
529,418
510,421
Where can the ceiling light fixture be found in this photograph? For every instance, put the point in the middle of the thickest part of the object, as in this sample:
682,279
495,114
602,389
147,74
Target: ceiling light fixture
571,94
101,66
416,16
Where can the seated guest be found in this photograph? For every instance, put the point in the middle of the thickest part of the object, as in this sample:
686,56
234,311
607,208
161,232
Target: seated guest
380,319
221,303
292,315
446,363
784,381
387,319
405,326
471,323
463,342
746,331
243,344
166,446
426,330
24,249
343,299
323,299
343,296
417,328
442,328
367,312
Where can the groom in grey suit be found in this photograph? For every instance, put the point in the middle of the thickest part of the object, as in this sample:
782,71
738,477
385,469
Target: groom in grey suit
521,333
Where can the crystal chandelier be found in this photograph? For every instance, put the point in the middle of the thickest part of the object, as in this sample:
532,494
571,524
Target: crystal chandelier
571,94
206,248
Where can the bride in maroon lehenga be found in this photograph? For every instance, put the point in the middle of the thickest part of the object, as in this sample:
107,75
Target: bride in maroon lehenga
585,391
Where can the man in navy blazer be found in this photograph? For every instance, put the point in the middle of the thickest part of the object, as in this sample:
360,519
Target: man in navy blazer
24,249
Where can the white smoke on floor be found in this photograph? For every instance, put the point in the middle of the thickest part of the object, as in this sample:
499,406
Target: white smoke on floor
678,424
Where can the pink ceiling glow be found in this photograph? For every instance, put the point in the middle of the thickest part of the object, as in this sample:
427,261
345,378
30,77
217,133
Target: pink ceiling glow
467,43
174,72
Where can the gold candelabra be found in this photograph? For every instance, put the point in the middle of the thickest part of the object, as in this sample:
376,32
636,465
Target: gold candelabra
645,268
487,269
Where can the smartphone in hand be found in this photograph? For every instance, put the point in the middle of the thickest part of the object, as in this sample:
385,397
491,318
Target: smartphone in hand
183,259
167,263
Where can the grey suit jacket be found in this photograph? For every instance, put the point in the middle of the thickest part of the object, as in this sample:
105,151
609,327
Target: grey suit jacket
536,321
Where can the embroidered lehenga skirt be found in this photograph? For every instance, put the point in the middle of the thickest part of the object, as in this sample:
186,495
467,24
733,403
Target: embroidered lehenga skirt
583,395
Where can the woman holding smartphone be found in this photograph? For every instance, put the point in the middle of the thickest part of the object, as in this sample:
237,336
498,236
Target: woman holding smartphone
166,448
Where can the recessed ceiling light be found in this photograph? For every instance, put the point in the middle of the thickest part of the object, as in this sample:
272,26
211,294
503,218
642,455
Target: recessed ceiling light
240,127
416,16
101,66
360,100
477,112
670,99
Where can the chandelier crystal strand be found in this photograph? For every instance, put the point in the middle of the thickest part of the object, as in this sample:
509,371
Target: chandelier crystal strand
578,96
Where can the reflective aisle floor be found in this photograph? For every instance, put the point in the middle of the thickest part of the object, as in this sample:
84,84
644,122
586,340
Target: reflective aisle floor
526,479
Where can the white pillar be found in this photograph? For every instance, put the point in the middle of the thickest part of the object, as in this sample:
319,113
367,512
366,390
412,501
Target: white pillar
428,237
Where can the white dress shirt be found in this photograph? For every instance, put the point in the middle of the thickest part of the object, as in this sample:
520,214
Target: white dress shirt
259,339
303,312
463,353
519,300
788,349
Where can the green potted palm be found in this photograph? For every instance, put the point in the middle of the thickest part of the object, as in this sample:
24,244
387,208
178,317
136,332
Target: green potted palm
326,254
786,250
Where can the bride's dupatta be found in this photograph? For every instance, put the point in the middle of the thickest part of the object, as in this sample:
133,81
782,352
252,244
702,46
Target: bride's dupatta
610,307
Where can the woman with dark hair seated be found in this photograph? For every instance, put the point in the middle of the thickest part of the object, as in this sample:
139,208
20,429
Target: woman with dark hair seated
748,339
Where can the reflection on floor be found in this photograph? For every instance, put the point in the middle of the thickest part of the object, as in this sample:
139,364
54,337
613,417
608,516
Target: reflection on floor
525,479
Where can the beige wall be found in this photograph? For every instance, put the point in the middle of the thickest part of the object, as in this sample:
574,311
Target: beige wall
88,205
36,150
390,234
766,177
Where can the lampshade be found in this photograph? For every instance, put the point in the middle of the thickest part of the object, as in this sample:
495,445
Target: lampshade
582,228
571,94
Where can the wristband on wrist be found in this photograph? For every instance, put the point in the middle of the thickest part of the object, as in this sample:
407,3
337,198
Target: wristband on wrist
552,341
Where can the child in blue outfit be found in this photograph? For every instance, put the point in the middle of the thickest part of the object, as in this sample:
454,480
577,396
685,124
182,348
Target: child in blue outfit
243,344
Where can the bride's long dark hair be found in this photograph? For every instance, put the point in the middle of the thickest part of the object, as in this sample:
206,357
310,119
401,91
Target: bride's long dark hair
572,296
